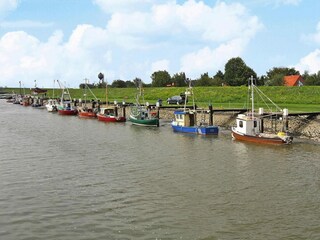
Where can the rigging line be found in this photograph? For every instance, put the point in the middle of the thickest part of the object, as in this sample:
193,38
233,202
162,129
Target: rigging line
261,96
92,93
269,99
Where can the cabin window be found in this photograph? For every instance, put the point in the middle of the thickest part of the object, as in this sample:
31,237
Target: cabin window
241,124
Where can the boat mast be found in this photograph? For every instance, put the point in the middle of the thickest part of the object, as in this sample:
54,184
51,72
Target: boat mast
189,92
54,81
252,97
20,87
106,93
85,91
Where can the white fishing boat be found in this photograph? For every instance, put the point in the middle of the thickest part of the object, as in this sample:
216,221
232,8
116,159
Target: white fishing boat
250,127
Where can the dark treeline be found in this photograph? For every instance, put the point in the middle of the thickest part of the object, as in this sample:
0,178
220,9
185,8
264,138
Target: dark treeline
236,73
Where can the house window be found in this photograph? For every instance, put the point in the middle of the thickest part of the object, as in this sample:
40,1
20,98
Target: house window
241,124
254,124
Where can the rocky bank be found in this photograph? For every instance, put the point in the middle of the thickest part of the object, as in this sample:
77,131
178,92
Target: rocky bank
300,127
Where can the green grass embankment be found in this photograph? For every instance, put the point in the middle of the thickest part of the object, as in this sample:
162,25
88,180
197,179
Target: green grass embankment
306,98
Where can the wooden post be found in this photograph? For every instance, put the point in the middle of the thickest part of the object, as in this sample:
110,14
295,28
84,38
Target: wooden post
210,115
116,111
285,119
124,111
261,112
158,108
99,106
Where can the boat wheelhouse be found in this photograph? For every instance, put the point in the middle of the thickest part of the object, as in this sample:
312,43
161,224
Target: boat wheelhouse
52,105
111,114
185,121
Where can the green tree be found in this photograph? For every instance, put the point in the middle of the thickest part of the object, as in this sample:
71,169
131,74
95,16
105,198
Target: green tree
101,84
204,80
284,71
261,80
313,79
218,79
130,84
119,84
160,79
179,79
276,80
83,85
237,72
219,74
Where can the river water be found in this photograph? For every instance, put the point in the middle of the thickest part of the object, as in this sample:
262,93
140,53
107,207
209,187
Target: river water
62,177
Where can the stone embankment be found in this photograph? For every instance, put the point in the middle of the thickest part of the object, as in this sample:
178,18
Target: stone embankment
300,127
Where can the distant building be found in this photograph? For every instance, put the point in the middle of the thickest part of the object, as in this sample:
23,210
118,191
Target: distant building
170,84
293,80
38,91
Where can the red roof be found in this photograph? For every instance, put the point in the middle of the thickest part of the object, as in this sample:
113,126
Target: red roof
38,90
293,80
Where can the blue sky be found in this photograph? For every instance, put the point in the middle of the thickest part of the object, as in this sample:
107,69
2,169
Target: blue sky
73,40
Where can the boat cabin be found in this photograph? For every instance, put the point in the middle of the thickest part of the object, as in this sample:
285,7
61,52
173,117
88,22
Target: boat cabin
142,113
67,105
248,125
52,102
185,119
110,111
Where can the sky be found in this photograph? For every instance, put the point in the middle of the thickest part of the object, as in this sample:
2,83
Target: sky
73,40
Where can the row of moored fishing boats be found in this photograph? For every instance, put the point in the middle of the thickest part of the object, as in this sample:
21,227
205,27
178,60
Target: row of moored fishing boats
249,127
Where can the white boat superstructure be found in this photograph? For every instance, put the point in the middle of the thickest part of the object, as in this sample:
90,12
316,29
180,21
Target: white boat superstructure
52,105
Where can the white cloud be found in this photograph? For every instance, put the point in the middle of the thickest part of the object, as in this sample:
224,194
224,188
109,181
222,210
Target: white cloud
315,37
192,37
7,5
24,57
211,60
160,65
218,23
310,63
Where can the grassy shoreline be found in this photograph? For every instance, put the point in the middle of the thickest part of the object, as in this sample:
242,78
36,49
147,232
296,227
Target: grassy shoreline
296,99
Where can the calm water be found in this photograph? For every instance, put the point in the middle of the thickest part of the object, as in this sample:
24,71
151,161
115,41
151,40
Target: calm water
62,177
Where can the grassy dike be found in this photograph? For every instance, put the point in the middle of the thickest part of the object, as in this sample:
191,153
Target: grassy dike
296,99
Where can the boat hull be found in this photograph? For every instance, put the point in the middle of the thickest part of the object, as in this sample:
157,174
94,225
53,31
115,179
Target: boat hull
105,118
154,122
51,108
67,112
84,114
258,139
207,130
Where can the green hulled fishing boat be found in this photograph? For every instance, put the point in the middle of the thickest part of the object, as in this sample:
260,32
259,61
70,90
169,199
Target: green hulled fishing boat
142,114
